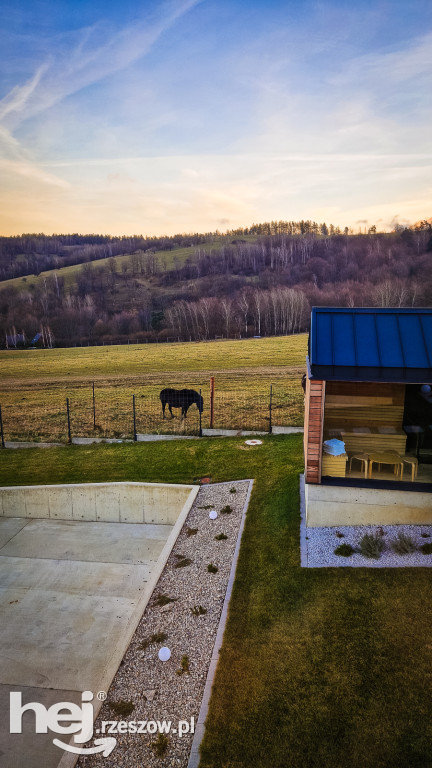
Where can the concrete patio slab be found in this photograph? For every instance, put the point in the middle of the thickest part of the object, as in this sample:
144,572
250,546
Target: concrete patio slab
9,527
115,579
72,593
93,542
59,640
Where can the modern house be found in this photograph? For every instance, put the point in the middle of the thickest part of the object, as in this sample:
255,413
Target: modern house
369,392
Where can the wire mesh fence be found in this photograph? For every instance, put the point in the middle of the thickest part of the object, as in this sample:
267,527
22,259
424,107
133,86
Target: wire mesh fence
127,410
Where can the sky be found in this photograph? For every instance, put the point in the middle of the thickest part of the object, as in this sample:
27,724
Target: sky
200,115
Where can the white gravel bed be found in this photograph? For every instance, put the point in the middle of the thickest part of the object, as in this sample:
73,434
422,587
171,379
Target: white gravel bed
155,688
321,543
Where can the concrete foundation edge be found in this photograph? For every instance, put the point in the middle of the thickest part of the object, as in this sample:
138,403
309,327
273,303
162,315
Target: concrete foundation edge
329,506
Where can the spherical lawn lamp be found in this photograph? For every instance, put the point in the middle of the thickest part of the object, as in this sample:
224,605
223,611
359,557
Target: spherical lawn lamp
164,653
212,514
426,389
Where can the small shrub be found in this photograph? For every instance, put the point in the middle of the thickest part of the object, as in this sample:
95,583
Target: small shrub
191,531
425,535
182,561
184,666
344,550
206,506
198,610
340,535
158,637
160,746
122,708
233,490
162,600
212,568
426,549
403,544
371,546
221,537
226,510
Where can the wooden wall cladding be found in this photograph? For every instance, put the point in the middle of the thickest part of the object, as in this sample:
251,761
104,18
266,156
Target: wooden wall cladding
351,404
314,418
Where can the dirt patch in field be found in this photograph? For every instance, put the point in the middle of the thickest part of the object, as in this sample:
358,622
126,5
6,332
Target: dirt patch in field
121,380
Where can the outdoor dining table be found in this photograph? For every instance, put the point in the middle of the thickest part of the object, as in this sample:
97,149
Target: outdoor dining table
388,457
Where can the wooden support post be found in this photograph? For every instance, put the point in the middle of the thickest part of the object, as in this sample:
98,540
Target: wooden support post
1,430
313,434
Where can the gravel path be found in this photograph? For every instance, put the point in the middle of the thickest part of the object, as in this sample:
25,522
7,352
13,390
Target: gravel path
162,690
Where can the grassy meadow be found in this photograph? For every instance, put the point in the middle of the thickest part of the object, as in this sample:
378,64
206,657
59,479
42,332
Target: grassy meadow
34,385
121,263
320,668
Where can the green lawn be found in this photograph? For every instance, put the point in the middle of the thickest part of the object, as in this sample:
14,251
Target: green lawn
319,668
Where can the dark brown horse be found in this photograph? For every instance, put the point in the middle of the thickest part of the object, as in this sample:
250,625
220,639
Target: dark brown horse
180,398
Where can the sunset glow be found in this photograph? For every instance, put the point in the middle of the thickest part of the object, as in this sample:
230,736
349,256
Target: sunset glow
198,115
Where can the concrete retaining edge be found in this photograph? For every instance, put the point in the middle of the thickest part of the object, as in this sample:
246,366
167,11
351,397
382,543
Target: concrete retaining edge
303,545
122,502
194,758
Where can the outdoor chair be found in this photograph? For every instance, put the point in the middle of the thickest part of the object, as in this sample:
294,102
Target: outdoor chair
363,458
413,463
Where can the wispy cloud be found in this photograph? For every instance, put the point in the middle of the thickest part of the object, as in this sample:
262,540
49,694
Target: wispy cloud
95,53
82,59
17,98
410,62
283,111
14,160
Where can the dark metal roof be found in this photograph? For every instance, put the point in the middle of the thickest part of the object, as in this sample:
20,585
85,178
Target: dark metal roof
371,344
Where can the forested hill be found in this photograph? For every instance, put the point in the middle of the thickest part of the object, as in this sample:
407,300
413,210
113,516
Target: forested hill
258,281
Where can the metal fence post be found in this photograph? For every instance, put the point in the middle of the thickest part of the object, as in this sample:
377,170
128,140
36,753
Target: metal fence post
68,420
200,419
94,408
1,430
134,418
270,409
212,387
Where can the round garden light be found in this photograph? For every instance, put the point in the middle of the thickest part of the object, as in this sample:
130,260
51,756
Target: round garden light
164,653
212,514
253,442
